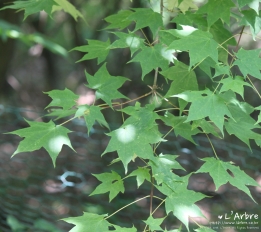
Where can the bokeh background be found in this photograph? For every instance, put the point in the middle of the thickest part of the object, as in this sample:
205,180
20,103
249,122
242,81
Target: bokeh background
33,194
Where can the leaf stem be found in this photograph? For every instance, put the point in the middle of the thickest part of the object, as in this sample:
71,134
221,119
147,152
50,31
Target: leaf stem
254,87
126,206
212,146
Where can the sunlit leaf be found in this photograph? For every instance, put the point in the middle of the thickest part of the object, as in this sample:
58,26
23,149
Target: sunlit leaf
47,135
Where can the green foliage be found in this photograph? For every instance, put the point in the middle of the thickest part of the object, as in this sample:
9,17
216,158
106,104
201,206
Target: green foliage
49,6
215,109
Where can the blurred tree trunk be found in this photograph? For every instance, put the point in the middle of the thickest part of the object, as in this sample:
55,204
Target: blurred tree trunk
7,48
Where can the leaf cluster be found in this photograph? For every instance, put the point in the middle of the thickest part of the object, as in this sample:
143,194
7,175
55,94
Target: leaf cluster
184,107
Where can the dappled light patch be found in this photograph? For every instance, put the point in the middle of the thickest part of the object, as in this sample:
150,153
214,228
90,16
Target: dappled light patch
133,42
126,134
55,144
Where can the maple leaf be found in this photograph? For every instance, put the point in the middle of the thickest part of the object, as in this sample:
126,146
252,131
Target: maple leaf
96,49
183,79
192,42
162,167
141,175
181,201
65,99
243,122
217,9
88,222
111,182
67,7
119,20
235,84
154,223
252,19
46,135
32,6
127,40
146,17
91,114
134,138
153,57
183,5
105,85
191,19
252,68
254,4
217,169
180,128
206,104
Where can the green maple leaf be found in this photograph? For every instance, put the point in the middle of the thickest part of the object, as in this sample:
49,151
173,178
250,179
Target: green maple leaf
91,114
206,127
135,136
119,20
130,141
191,19
162,167
252,68
154,223
180,128
235,84
185,5
33,6
127,40
65,99
141,174
182,78
206,104
252,19
88,222
67,7
195,40
96,49
146,17
181,201
153,57
105,85
243,122
111,182
41,134
217,169
217,9
254,4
